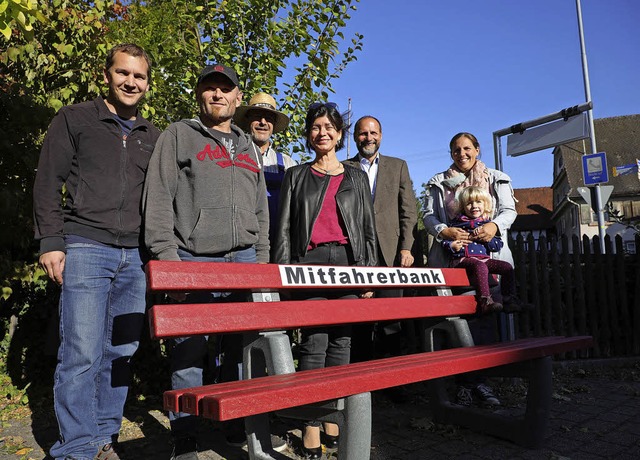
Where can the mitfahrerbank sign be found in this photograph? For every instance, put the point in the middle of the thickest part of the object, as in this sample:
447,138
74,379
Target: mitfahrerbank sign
320,275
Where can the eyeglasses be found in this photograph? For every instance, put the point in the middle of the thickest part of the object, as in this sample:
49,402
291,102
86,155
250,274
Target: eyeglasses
317,105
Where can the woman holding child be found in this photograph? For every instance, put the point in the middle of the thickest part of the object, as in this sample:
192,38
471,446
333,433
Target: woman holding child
441,208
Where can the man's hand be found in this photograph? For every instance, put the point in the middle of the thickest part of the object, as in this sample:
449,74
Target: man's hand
406,259
367,295
53,263
485,233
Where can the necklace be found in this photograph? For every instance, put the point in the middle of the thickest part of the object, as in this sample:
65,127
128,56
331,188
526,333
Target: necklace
327,172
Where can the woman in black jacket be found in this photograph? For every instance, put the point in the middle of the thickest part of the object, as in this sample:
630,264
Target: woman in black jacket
326,218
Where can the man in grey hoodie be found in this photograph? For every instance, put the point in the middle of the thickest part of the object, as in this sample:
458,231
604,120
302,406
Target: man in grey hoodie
205,200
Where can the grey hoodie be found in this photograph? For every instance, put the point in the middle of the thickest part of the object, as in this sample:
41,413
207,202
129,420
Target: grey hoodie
200,198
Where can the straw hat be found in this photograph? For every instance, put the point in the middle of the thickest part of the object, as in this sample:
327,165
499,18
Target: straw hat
261,101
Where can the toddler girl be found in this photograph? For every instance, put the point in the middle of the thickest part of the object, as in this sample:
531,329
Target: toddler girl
474,207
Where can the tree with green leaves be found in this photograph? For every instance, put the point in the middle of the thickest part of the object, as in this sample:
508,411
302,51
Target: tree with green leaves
18,16
52,53
58,63
288,48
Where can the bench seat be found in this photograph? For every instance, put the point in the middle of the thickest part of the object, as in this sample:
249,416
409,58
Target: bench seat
225,401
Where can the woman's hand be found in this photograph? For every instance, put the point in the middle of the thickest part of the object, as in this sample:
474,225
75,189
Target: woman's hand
455,234
485,233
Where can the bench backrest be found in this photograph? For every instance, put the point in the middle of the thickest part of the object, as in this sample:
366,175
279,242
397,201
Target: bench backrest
180,319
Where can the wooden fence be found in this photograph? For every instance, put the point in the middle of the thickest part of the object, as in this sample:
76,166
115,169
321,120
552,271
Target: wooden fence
591,292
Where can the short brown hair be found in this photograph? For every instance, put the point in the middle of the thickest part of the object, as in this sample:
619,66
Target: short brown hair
132,50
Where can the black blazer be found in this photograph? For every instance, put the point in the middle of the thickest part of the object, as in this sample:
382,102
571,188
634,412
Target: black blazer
300,203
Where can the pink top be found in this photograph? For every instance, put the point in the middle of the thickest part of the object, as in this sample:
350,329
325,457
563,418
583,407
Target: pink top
329,226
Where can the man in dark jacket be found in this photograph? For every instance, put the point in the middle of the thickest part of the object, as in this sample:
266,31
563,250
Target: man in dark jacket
89,245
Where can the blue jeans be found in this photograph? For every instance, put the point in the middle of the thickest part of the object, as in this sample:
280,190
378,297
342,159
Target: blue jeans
189,353
102,306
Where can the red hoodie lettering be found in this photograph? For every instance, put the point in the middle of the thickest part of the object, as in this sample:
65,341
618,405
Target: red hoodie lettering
220,154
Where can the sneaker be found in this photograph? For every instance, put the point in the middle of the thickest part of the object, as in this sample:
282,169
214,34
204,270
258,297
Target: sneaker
485,395
184,448
240,440
106,452
463,396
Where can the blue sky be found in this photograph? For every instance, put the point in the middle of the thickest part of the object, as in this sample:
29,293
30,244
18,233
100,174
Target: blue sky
432,68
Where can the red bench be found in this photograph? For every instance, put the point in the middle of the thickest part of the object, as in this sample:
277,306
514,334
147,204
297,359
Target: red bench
263,322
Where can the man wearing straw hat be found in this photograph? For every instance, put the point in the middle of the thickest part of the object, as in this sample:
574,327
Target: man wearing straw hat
261,119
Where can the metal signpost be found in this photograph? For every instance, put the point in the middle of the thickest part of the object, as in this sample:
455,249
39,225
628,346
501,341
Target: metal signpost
587,94
553,134
557,134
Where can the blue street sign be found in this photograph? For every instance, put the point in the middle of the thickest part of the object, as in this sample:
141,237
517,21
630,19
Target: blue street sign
594,168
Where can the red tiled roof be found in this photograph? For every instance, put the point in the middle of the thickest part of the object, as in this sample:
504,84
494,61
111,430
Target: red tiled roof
534,207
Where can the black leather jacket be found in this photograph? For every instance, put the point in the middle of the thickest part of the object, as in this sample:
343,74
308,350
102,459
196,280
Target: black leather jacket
300,203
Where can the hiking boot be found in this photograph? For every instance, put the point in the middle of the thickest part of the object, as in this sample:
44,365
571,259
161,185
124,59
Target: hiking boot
106,452
463,396
184,448
513,304
485,395
486,305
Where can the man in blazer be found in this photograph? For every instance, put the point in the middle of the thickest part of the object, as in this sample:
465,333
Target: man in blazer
394,204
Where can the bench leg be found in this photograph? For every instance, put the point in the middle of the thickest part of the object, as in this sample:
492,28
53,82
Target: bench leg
456,333
270,352
528,430
259,439
355,432
534,426
352,414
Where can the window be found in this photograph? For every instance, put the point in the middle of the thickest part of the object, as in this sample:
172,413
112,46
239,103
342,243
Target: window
630,247
585,214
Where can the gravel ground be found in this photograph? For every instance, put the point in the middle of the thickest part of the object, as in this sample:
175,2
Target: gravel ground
594,415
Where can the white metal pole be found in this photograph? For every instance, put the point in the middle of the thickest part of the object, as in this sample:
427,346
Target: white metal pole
592,137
